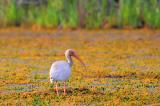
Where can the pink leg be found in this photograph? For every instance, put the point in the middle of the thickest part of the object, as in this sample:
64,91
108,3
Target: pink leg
56,88
64,88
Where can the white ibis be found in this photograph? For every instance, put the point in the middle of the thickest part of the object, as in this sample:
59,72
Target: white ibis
61,70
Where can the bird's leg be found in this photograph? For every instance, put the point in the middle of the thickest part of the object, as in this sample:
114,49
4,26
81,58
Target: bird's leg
56,87
64,87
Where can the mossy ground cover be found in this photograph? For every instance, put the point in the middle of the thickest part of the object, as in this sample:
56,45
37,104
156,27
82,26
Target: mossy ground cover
122,67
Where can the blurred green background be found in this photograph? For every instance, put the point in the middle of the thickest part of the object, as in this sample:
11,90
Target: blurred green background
81,13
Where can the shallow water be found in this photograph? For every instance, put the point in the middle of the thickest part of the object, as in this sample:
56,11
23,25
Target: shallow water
118,63
19,88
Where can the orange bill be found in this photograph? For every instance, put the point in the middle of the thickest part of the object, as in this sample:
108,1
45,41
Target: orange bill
77,57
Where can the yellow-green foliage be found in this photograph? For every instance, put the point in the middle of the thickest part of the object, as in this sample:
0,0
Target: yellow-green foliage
122,67
72,14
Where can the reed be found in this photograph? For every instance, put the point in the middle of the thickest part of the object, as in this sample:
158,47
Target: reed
45,16
65,14
69,14
96,13
129,13
13,14
152,14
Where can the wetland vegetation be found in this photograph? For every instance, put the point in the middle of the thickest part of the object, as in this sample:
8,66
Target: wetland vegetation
123,67
73,14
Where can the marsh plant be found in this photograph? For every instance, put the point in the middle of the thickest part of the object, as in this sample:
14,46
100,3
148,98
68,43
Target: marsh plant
82,13
122,69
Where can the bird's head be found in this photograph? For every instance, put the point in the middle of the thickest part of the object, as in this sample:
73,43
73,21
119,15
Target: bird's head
71,52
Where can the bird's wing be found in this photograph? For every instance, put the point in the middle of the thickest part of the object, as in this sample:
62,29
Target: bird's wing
58,68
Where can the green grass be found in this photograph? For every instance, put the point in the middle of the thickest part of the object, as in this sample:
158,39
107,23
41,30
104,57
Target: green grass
37,101
65,14
69,15
96,13
129,13
152,14
13,14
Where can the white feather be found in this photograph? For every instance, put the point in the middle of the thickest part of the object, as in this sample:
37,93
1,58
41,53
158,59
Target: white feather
60,71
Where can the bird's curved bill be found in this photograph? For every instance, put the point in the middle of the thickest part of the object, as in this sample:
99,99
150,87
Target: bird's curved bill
77,57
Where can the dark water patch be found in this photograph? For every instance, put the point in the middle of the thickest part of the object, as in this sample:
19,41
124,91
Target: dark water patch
6,92
18,88
136,57
41,72
111,35
101,85
121,76
151,88
111,76
142,68
40,76
42,80
14,60
82,90
113,68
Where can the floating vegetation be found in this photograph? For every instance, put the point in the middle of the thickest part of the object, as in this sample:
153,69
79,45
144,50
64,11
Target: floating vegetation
123,67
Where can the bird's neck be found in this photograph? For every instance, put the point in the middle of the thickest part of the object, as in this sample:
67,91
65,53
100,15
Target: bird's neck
69,60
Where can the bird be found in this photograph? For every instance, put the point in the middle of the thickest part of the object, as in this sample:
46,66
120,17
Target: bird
61,70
